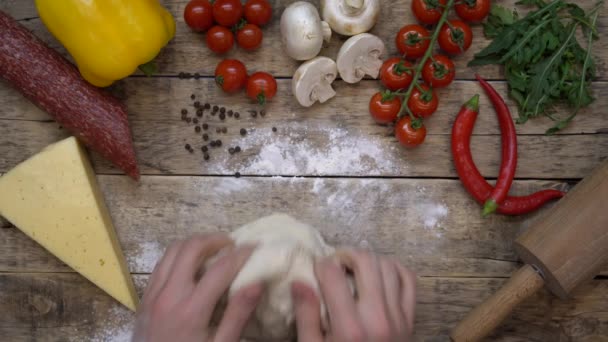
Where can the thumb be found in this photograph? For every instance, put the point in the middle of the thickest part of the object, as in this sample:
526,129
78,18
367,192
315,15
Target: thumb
308,312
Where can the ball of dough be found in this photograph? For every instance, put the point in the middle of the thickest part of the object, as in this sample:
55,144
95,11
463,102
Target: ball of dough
286,252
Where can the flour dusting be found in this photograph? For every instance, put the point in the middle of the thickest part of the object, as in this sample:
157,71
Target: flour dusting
148,253
227,186
432,214
117,326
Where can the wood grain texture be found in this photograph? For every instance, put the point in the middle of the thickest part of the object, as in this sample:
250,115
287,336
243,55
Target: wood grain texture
187,51
315,148
60,307
431,225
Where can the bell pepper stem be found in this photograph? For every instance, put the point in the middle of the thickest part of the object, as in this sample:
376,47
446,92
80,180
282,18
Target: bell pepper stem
149,68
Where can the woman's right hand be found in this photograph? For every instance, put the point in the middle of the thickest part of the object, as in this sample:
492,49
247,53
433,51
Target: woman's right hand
383,310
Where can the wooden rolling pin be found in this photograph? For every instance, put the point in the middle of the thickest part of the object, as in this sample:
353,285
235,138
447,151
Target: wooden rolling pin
567,247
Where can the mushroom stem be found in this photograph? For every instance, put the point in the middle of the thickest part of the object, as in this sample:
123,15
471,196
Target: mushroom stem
353,5
326,31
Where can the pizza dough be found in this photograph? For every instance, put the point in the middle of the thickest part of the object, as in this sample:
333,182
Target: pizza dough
286,252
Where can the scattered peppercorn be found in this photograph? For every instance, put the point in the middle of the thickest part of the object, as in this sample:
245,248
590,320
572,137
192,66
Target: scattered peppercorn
181,75
199,113
206,156
222,110
224,130
195,120
205,126
196,103
212,143
237,149
237,175
237,115
192,96
184,111
231,150
253,113
218,130
207,106
188,120
205,137
188,147
230,113
216,108
218,143
243,132
197,75
197,129
274,129
222,116
262,113
204,148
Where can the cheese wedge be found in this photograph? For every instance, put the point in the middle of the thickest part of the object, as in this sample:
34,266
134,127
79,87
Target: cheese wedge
53,197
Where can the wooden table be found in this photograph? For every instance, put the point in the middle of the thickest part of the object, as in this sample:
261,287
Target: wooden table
328,165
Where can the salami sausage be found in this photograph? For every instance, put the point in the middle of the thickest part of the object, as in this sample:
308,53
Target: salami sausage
52,83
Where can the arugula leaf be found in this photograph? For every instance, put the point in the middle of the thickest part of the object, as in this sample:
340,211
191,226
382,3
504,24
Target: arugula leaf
544,63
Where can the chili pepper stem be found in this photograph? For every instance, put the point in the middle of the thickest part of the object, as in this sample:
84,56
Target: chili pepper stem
473,103
489,207
428,53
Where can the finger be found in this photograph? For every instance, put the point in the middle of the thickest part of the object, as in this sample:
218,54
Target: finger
238,311
392,292
308,313
408,295
191,258
343,315
216,281
368,278
161,271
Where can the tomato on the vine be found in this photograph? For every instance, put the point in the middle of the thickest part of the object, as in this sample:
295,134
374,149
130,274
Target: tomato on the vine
428,11
384,107
473,10
258,12
231,75
227,12
219,39
261,87
199,15
455,37
407,135
412,41
249,37
439,71
423,101
396,73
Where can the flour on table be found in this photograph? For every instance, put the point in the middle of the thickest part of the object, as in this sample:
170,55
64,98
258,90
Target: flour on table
227,186
144,260
117,326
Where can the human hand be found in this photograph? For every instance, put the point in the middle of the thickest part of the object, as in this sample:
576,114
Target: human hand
382,312
177,306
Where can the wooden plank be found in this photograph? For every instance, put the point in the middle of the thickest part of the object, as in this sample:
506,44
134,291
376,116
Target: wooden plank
57,307
187,52
162,99
431,225
327,148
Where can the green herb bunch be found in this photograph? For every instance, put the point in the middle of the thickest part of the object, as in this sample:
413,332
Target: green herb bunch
543,61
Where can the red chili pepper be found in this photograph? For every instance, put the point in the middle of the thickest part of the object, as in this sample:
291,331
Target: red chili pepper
509,150
472,179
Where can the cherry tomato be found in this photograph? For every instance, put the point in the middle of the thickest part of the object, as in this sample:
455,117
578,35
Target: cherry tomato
227,12
258,12
231,75
261,87
473,10
199,15
439,71
423,103
456,37
407,135
412,41
220,39
249,37
394,73
384,108
428,11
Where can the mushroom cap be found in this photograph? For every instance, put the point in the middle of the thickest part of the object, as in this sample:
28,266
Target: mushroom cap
360,55
350,17
302,31
312,81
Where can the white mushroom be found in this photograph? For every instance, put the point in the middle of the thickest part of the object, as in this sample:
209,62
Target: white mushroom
350,17
360,55
302,31
312,81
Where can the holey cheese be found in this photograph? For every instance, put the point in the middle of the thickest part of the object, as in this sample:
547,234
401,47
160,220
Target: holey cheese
53,197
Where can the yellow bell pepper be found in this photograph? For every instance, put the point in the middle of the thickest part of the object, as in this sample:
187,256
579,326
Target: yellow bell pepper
108,39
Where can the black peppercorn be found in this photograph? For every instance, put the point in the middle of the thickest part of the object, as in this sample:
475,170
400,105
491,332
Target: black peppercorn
243,132
218,130
184,111
262,113
187,147
218,143
205,126
192,96
195,120
199,113
237,115
222,110
204,148
196,103
222,116
237,149
205,137
274,129
253,113
197,75
212,144
188,120
181,75
231,150
197,129
230,113
216,108
206,156
224,130
207,106
237,175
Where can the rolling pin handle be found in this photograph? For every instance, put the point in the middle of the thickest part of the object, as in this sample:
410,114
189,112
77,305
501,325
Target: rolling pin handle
482,320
